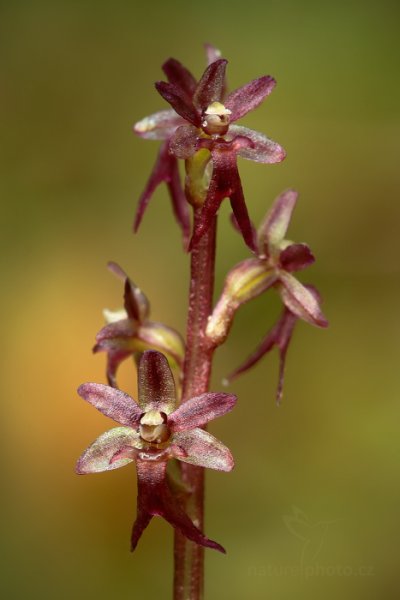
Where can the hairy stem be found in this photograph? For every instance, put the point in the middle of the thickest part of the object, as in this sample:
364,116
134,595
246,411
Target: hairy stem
189,557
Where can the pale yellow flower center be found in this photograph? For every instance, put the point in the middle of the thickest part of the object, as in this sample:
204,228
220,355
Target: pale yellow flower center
153,428
216,119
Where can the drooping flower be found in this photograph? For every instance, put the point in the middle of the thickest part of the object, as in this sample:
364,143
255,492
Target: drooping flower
277,259
210,119
280,336
152,432
130,331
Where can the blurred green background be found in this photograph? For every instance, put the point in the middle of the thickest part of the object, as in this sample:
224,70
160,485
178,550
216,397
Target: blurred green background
74,77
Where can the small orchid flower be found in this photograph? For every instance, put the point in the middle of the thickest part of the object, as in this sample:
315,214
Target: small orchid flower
129,331
162,126
210,119
280,336
277,259
152,432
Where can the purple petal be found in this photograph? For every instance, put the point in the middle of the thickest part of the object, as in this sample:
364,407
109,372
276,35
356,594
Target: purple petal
156,383
210,86
136,303
280,336
116,336
143,518
180,76
239,208
102,455
114,359
158,126
155,498
111,402
274,226
296,257
179,202
179,101
198,447
166,170
117,270
199,410
183,143
249,96
213,54
263,149
300,300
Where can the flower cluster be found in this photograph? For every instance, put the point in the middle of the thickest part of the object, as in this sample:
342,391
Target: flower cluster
152,432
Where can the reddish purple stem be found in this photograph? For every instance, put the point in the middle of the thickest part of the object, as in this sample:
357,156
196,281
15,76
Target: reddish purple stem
189,557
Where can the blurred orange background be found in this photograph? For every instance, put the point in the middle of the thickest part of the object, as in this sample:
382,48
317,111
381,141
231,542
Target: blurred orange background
311,509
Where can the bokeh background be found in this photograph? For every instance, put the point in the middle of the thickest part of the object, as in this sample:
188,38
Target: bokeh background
74,77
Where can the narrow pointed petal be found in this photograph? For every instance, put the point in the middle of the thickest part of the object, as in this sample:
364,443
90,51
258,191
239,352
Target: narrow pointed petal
165,170
114,359
183,143
116,336
285,333
179,101
240,211
213,54
225,183
274,226
136,303
280,336
210,85
296,257
199,410
180,76
156,383
263,149
111,402
158,126
155,498
179,203
198,447
301,301
117,270
142,520
249,96
265,346
102,455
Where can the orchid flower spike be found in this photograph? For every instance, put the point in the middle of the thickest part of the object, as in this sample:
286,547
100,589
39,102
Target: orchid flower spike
151,432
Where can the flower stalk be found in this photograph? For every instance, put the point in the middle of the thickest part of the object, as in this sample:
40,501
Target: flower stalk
189,557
